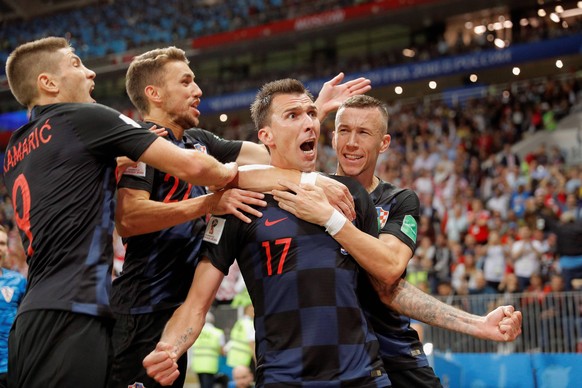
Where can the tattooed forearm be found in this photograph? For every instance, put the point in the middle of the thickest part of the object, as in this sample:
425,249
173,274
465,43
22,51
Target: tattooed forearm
414,303
183,339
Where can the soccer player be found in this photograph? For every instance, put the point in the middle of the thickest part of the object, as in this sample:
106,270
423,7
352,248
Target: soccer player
309,325
58,169
359,138
13,285
163,217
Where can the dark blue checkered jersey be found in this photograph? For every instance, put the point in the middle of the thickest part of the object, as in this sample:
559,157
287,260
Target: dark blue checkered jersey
400,347
59,170
159,266
310,329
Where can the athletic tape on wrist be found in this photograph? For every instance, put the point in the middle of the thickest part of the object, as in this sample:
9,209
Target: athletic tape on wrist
308,177
335,223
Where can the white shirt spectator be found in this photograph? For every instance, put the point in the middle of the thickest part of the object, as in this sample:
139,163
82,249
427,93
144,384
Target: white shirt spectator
528,261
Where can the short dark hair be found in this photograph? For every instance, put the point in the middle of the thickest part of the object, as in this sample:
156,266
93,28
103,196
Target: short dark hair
367,102
261,107
27,62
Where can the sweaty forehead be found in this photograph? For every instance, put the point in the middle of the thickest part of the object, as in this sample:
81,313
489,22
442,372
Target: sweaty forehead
369,118
175,71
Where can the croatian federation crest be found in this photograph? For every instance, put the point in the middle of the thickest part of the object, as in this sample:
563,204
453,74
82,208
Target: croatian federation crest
382,216
7,293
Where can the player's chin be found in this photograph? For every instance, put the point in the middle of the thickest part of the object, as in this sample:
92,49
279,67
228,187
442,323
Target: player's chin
351,168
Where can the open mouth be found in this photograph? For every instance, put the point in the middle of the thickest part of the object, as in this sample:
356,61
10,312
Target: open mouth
91,92
307,146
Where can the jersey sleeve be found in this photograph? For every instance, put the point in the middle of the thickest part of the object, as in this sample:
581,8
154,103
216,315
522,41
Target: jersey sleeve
220,242
140,177
403,218
223,150
109,133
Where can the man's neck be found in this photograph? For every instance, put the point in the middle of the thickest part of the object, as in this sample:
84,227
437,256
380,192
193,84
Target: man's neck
369,181
164,122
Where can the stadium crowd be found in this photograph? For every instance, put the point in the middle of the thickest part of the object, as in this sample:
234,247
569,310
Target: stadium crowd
116,27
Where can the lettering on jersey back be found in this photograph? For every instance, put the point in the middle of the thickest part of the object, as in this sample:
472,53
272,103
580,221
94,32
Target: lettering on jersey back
24,147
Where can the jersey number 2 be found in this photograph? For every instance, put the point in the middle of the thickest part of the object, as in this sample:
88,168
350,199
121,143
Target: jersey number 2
174,188
286,242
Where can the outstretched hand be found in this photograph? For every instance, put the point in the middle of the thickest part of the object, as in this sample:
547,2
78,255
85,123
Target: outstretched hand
334,93
503,324
161,364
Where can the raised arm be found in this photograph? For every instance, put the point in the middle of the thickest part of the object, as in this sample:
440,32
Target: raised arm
502,324
185,325
333,93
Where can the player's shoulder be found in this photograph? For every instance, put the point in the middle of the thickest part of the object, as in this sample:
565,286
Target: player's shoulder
199,134
98,113
194,132
389,190
87,107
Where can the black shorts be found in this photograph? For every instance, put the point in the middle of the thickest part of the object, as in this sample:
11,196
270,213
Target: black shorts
423,377
52,348
134,337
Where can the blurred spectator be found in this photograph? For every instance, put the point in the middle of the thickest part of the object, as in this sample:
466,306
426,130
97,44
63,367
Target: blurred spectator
206,352
568,246
494,261
242,377
508,288
465,278
508,157
558,326
442,261
525,256
499,201
478,219
421,263
518,198
456,223
240,349
573,206
13,286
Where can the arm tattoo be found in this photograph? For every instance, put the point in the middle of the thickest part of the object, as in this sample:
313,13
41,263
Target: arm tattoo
184,337
414,303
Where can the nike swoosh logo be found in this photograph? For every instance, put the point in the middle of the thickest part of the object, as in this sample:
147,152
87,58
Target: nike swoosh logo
271,223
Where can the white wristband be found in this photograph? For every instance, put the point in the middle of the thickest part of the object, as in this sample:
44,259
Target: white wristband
335,223
308,177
